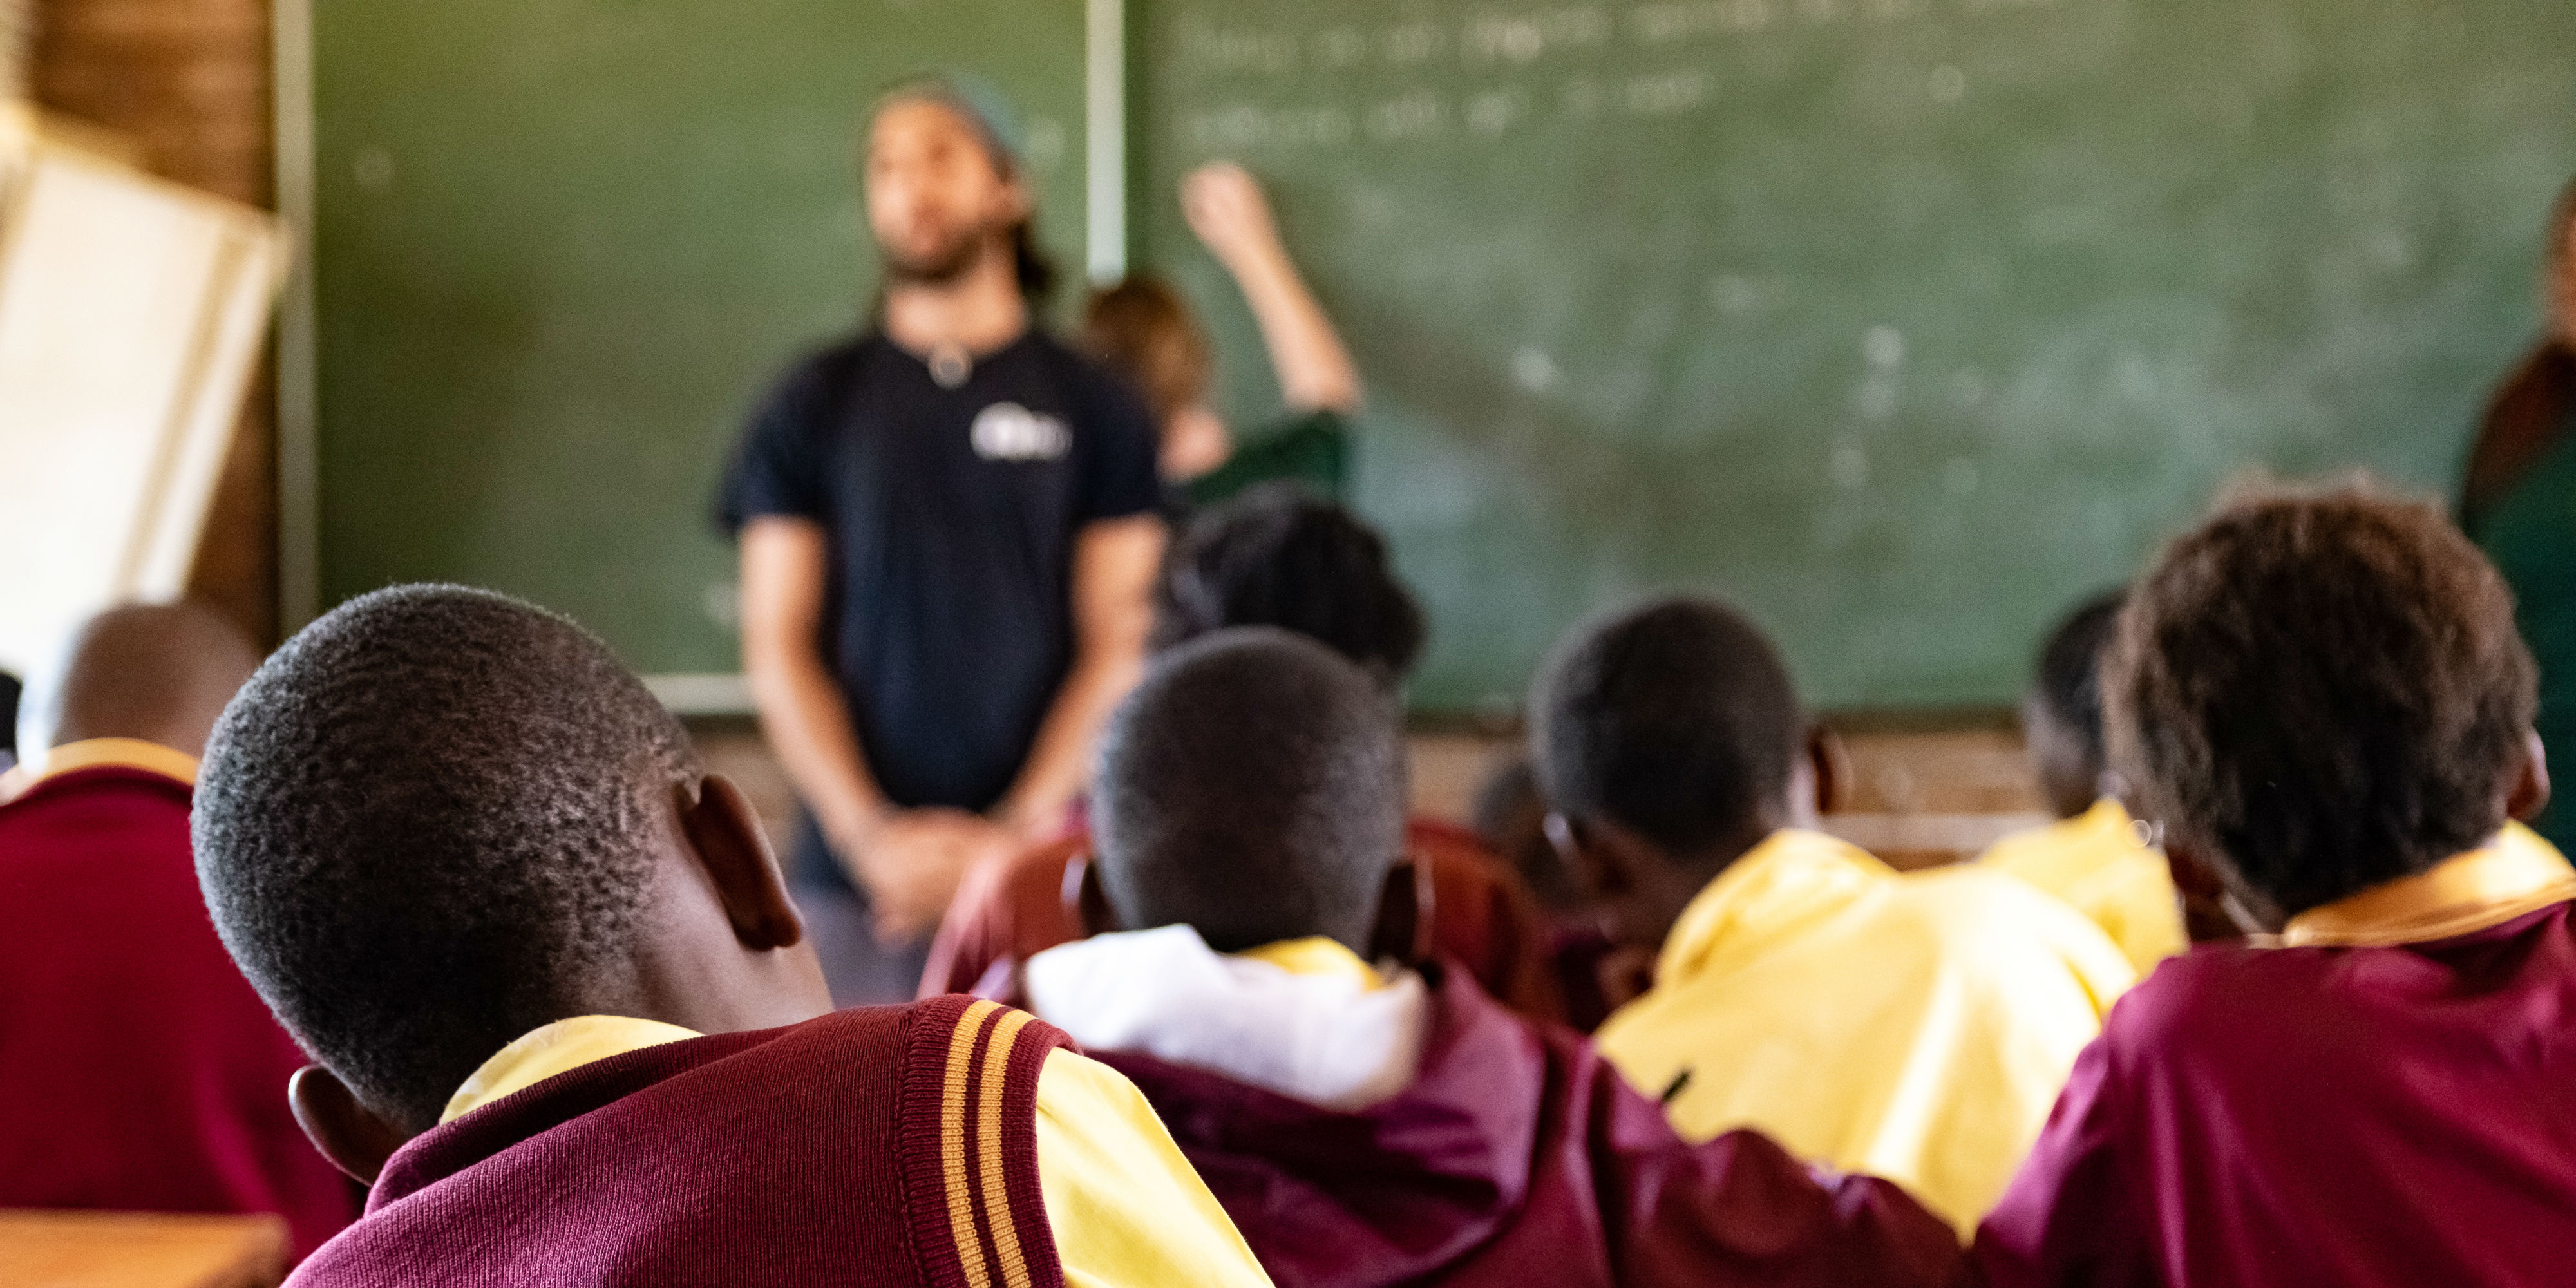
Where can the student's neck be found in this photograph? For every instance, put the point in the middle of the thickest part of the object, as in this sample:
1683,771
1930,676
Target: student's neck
980,311
1686,875
716,995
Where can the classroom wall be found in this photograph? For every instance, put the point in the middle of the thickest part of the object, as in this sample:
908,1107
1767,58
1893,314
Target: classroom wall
188,82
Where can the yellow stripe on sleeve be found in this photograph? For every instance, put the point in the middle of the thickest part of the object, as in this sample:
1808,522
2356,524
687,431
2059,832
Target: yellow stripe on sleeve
988,1139
952,1145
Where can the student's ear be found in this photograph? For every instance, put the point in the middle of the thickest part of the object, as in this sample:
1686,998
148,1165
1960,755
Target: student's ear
2530,791
1599,871
1086,903
1829,760
725,832
347,1133
2212,911
1404,914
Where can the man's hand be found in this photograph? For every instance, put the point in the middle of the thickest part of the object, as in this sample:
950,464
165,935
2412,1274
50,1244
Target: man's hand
911,861
1224,206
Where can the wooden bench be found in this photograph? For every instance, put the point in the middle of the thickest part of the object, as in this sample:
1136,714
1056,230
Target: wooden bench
59,1249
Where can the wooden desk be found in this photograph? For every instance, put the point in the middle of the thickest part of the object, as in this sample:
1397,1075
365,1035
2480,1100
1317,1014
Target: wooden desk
140,1250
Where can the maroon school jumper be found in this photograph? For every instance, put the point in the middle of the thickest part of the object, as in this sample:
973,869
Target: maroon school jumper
1518,1157
2293,1116
812,1154
137,1068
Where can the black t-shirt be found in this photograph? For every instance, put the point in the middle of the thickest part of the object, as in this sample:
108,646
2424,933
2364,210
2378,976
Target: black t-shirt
953,515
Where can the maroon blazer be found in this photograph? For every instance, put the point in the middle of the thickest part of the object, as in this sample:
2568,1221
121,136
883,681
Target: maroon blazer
812,1154
138,1070
1518,1157
2276,1117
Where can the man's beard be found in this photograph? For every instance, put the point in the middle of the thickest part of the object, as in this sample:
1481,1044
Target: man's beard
943,266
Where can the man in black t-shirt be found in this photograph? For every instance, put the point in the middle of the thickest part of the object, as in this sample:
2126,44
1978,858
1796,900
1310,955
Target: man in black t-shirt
948,538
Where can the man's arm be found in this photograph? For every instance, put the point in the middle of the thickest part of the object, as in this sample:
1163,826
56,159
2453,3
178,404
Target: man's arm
1115,562
784,566
1225,208
908,860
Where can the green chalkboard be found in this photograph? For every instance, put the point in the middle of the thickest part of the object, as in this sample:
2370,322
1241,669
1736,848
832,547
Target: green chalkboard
561,246
1903,322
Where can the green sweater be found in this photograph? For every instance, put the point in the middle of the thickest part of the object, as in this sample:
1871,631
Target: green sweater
1313,449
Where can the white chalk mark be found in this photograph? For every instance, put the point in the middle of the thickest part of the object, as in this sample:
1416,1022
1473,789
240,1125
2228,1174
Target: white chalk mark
1850,467
1876,398
1665,94
1884,346
1533,370
373,168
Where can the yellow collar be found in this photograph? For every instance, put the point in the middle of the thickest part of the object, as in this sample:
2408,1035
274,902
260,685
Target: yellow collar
1317,955
2514,874
560,1047
1777,885
2107,817
126,753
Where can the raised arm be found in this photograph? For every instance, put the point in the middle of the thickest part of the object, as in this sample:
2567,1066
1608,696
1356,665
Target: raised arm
1226,209
1115,562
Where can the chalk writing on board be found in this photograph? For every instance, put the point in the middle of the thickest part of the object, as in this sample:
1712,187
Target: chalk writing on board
1517,39
1488,39
1248,70
1416,115
1494,111
1413,43
1665,93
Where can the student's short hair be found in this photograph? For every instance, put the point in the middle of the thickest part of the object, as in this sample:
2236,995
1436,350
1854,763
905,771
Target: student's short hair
1278,555
424,829
2069,679
1253,787
2322,689
1142,329
1677,720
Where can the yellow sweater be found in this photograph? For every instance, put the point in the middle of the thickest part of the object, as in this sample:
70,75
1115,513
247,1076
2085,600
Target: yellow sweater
1917,1027
2093,861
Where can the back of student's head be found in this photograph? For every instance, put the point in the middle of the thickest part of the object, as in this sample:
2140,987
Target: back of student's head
1253,787
2321,691
1278,555
1677,720
1143,330
156,672
2063,710
424,829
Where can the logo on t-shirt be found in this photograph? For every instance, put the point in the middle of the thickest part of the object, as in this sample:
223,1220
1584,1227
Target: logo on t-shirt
1007,431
